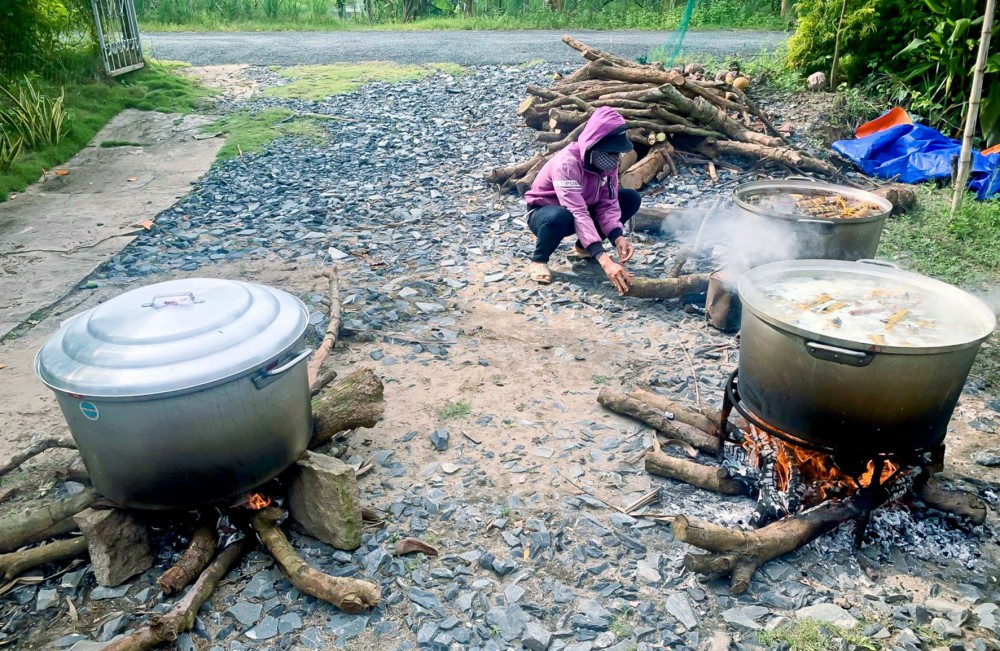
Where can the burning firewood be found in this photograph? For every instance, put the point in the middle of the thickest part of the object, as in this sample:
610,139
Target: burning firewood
711,478
191,564
350,595
663,110
738,554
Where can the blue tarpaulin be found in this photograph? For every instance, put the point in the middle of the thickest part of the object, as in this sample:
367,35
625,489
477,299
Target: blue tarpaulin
914,153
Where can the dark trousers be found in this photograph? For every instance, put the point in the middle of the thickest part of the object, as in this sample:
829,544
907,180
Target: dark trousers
552,224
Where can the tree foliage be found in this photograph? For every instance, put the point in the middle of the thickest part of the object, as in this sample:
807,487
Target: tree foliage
38,35
917,53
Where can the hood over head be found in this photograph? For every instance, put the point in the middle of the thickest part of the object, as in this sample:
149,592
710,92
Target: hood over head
604,121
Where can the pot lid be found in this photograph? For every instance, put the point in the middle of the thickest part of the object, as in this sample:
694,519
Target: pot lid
865,305
170,337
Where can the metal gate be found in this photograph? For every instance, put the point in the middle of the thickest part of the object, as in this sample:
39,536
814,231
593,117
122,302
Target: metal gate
118,35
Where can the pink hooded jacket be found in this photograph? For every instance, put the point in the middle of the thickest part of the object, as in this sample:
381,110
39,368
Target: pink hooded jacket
565,181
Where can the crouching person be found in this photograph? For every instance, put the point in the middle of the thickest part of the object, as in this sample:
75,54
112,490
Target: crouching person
577,194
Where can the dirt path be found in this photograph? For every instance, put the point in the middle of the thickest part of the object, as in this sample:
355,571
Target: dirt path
57,232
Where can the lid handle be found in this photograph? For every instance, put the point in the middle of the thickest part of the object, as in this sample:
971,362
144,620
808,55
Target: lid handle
878,263
177,298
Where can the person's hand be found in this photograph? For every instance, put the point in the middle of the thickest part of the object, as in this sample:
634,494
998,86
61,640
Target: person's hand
624,248
617,274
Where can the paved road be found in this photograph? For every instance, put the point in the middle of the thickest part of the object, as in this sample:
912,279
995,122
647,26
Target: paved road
464,47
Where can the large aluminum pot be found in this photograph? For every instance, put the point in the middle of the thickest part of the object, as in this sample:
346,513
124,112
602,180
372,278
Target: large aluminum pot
184,392
838,374
768,209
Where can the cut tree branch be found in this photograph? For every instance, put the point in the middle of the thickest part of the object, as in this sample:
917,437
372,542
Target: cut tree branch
350,595
332,328
191,563
43,522
33,450
15,563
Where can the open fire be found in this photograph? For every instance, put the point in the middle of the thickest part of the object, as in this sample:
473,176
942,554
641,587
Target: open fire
254,502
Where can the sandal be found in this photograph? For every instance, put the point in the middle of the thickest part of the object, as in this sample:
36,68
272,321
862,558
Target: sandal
539,272
579,253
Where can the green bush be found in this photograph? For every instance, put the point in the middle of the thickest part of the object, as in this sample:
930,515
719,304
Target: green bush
38,120
10,147
918,54
45,36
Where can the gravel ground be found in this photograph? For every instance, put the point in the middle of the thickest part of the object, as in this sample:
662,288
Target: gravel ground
435,297
463,47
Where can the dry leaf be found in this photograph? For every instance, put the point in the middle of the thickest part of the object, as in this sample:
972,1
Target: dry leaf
72,612
3,366
62,172
411,545
147,224
132,178
691,452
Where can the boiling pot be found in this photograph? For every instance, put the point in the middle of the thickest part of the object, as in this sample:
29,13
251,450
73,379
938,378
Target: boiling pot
786,235
183,392
840,391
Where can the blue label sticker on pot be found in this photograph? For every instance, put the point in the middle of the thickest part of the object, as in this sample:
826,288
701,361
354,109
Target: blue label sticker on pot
89,410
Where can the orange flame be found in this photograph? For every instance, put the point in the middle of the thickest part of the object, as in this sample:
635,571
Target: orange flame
256,501
816,469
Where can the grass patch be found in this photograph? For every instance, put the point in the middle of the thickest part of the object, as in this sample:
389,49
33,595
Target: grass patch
620,625
108,144
249,133
722,15
811,635
90,105
600,379
453,410
531,63
966,250
321,81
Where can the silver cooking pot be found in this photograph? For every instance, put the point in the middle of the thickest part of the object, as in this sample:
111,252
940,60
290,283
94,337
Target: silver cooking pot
838,393
184,392
789,236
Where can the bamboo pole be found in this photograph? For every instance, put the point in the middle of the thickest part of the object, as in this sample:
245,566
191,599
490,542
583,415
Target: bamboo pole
836,47
972,115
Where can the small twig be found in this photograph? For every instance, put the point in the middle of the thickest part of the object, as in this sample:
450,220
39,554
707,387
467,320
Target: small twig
694,374
589,494
365,467
33,450
469,436
647,499
332,328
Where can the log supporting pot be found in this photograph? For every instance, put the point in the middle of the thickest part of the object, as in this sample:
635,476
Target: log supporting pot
185,392
855,356
789,234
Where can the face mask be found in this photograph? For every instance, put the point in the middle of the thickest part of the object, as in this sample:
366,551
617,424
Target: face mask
604,161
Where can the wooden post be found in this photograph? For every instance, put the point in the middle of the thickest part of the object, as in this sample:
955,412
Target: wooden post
972,112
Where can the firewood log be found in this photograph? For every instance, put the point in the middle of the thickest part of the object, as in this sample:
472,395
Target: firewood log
192,562
15,563
34,449
628,405
646,169
604,69
711,478
668,287
952,501
739,553
783,155
680,412
355,401
350,595
43,522
712,116
593,54
165,628
518,169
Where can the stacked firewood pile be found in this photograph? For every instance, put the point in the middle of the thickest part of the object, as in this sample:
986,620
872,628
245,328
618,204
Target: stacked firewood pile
673,116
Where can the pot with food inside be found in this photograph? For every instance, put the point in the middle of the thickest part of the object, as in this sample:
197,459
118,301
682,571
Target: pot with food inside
805,219
856,355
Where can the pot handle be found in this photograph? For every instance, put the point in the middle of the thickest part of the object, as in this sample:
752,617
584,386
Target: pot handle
268,375
799,177
829,353
878,263
176,298
824,224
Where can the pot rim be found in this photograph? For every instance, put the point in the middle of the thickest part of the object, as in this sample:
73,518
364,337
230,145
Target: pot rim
173,393
751,276
793,184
